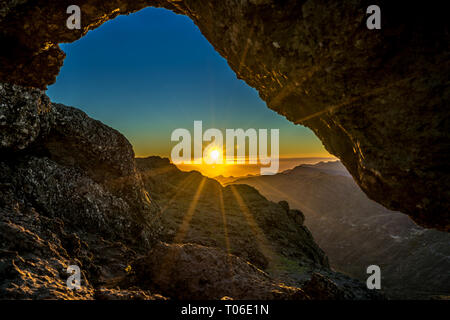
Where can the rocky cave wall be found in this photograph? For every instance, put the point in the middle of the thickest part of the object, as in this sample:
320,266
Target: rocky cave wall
377,99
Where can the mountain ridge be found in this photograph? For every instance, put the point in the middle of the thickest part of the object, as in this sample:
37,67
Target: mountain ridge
355,232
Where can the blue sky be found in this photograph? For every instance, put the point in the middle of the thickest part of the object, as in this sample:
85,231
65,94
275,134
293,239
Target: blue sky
151,72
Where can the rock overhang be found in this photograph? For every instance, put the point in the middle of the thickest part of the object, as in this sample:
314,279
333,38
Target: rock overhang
377,99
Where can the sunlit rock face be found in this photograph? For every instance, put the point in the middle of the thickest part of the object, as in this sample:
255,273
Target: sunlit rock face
378,99
24,115
58,160
69,194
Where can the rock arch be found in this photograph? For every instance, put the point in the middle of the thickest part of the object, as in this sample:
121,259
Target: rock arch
377,99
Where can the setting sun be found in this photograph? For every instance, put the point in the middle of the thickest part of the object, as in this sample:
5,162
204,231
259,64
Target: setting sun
214,155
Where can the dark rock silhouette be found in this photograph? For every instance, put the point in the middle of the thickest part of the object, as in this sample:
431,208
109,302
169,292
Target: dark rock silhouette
378,99
59,208
24,115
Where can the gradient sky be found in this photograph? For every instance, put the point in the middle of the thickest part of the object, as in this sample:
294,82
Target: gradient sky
151,72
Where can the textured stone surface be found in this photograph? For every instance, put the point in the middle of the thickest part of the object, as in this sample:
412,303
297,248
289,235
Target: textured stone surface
53,215
377,99
129,294
192,271
103,153
33,262
69,194
67,156
24,115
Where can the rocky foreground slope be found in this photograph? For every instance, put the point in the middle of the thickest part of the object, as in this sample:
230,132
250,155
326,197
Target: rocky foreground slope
71,194
356,232
239,220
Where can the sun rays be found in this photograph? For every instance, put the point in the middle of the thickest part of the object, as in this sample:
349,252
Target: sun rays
225,232
189,214
221,203
261,240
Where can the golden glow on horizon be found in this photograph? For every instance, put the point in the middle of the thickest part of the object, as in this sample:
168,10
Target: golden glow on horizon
214,155
237,170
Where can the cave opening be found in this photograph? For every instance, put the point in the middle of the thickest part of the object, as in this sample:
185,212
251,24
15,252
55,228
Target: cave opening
152,72
130,79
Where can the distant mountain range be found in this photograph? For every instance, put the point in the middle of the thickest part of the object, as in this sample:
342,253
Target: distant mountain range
356,232
238,170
